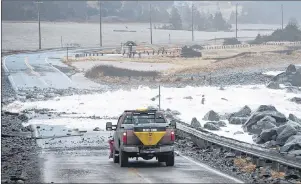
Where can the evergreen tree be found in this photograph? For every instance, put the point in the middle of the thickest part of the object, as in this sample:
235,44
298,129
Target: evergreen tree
219,22
175,19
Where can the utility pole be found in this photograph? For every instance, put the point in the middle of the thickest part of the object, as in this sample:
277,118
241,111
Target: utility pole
236,22
192,33
100,30
282,16
67,54
38,7
150,23
62,41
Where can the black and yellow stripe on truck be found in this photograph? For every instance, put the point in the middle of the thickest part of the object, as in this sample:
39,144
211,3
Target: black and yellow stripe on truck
150,136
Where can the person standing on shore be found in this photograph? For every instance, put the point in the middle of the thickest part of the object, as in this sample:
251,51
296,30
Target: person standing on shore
203,99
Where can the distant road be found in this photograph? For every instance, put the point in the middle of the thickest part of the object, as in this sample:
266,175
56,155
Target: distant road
39,70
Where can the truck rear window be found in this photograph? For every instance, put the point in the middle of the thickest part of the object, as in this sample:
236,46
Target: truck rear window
143,119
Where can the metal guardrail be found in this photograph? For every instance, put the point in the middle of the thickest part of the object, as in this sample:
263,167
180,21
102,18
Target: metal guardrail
210,47
247,148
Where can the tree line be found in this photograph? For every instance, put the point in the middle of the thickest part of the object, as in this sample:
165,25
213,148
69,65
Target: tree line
84,10
193,17
163,12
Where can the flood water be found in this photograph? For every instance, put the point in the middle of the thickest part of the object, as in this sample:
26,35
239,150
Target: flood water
18,35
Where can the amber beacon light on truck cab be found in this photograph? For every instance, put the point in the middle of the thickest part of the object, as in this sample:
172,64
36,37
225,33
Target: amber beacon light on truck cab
142,133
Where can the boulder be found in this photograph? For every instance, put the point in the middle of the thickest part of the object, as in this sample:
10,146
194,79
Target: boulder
295,79
291,69
270,144
273,85
96,129
261,112
291,77
221,124
23,117
257,139
195,123
292,89
40,96
268,135
211,126
294,124
238,132
287,84
50,95
211,116
297,100
294,118
287,132
263,108
264,124
295,152
293,143
243,112
237,120
175,112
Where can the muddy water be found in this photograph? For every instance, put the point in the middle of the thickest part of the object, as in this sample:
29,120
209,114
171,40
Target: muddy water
18,36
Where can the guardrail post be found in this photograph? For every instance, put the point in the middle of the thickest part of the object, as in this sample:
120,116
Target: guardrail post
254,160
268,163
275,165
260,162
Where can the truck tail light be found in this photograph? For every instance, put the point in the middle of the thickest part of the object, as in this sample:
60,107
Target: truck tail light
172,136
124,138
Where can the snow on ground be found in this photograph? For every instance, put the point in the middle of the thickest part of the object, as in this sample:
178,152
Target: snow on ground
112,104
272,73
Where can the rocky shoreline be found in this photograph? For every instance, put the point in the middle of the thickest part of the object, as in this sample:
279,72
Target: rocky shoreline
19,149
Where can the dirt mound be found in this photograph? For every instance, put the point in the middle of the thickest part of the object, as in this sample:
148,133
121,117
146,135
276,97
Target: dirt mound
102,70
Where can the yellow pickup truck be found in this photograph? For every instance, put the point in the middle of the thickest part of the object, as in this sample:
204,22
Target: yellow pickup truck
142,133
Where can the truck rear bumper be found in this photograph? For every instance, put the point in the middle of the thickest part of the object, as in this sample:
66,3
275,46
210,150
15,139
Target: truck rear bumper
134,149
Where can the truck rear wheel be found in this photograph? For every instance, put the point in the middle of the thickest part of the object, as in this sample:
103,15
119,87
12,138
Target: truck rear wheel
161,158
123,159
115,158
170,160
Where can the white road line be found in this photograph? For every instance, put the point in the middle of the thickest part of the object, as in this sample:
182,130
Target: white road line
46,61
4,63
10,78
13,84
34,72
211,169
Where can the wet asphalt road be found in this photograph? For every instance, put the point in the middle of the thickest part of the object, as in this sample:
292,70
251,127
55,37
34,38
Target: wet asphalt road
30,70
83,158
93,166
